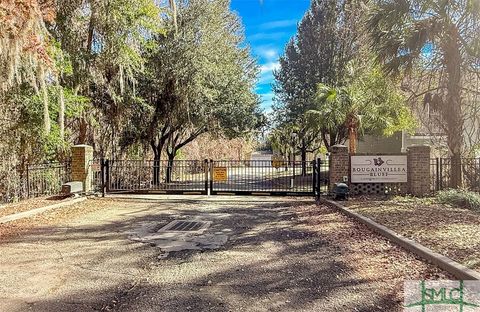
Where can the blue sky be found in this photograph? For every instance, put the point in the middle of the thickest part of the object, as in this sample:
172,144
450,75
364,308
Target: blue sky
269,24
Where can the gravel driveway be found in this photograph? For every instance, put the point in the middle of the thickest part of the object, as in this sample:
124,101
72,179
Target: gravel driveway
280,255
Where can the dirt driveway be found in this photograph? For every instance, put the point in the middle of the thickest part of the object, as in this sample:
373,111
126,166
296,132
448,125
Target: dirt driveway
269,255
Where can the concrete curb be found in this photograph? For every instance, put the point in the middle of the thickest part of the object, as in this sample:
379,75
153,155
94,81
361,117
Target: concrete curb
33,212
455,268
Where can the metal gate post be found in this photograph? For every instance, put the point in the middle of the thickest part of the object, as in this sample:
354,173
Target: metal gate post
319,176
28,183
294,168
440,177
102,175
211,176
206,170
107,175
314,177
437,169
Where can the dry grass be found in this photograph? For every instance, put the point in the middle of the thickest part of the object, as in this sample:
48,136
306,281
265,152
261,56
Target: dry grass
448,230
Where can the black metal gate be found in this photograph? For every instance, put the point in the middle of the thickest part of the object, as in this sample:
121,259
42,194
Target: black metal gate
215,177
263,177
322,177
156,176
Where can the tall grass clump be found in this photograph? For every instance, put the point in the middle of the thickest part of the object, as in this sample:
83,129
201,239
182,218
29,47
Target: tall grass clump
460,198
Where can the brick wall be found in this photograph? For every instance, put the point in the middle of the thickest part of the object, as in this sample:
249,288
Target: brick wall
418,170
339,164
82,156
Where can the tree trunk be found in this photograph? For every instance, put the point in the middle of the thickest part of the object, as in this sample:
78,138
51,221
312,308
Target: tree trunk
325,141
453,110
82,135
46,113
352,140
61,113
173,7
169,172
333,139
157,163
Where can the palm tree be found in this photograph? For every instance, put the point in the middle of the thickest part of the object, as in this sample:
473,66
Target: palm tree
441,37
337,108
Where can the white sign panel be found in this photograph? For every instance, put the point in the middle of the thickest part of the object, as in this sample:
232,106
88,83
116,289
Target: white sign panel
378,169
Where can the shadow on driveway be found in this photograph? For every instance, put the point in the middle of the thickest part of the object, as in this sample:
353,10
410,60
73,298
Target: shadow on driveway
272,261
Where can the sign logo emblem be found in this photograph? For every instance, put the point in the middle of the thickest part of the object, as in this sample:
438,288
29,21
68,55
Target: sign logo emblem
378,161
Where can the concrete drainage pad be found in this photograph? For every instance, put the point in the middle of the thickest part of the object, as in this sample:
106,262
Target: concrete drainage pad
178,235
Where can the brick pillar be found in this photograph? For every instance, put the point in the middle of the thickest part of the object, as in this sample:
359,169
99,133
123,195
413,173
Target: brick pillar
418,170
339,164
82,157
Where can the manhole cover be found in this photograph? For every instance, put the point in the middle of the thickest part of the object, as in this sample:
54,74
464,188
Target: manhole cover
185,226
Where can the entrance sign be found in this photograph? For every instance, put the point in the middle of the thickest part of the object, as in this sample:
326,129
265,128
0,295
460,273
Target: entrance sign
378,169
220,174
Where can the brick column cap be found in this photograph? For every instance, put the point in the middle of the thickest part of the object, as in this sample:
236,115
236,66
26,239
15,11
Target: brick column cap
83,146
339,148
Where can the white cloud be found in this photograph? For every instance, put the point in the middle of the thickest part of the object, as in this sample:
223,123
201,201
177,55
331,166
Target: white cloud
266,73
268,36
265,78
278,24
267,96
267,53
270,54
269,67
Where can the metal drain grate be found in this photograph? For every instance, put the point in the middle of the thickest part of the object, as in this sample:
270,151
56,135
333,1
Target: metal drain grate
186,226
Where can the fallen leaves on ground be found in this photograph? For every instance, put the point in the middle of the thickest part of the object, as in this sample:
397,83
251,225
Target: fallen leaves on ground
52,217
369,256
451,231
29,204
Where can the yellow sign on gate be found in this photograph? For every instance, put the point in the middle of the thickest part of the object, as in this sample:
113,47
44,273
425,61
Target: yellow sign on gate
278,161
220,174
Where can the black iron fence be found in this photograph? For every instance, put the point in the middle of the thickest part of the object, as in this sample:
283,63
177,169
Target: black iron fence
47,179
35,180
12,182
276,177
444,171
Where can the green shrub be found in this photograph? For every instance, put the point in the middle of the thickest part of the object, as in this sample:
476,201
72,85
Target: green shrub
460,198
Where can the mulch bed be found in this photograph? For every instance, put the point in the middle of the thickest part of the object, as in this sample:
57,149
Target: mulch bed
451,231
368,255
